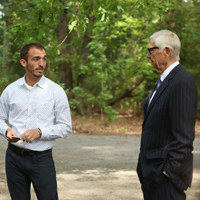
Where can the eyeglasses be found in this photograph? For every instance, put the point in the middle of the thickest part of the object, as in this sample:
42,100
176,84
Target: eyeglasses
150,49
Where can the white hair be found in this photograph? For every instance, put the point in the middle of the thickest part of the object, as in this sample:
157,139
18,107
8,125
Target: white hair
166,38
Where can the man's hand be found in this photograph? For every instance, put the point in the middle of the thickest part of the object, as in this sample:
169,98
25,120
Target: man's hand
11,132
30,135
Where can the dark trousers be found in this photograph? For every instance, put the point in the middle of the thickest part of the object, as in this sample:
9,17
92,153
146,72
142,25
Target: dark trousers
38,170
165,191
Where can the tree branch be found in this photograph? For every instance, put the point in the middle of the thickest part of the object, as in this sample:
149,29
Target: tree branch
127,93
72,28
49,11
29,4
52,27
45,15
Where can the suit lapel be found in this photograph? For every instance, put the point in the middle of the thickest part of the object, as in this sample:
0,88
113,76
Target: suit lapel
148,99
160,90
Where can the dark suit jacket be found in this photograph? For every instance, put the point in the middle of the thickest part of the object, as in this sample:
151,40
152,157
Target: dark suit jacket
168,132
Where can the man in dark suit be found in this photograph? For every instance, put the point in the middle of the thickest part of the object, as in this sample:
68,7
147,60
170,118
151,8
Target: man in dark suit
165,163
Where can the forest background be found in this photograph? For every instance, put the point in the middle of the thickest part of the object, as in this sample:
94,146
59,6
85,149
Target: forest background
97,48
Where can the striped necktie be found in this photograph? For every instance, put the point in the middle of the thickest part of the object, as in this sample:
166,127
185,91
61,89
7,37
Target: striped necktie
152,91
158,83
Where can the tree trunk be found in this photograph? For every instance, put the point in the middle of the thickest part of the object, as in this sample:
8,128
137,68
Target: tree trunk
64,66
81,108
86,40
6,40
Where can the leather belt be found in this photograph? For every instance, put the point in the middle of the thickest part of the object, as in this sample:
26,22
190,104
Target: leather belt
25,152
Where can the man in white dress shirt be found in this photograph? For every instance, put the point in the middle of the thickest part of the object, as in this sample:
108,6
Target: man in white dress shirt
34,111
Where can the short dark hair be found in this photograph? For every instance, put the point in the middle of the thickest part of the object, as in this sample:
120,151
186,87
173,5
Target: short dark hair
26,48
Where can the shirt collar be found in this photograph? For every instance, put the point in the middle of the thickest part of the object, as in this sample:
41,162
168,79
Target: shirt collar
40,83
168,70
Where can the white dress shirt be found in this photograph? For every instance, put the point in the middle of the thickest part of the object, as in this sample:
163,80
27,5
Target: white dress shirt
168,70
164,75
44,106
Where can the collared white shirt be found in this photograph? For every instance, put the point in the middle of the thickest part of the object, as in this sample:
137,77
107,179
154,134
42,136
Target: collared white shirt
168,70
44,106
164,75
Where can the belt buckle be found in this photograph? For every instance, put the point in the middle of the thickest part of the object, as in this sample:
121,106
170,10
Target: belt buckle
26,153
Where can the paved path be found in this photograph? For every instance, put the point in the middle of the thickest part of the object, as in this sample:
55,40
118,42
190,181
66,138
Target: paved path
98,167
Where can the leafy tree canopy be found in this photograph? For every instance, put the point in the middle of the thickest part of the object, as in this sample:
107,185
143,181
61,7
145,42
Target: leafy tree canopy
97,49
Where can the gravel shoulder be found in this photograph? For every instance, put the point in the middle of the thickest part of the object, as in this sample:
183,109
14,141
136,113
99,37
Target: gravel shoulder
97,167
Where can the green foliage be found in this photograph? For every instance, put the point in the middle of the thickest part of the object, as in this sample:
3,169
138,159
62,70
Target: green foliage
122,129
3,83
111,114
106,44
73,103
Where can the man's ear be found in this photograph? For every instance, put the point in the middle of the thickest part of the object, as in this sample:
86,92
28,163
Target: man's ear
167,51
23,62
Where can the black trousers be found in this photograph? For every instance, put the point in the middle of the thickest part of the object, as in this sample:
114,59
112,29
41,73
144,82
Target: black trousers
165,191
38,170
